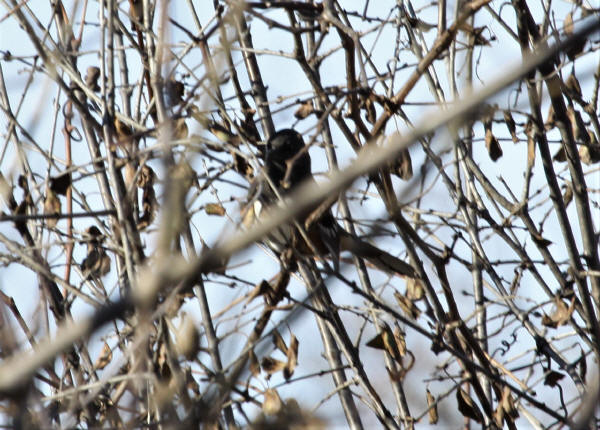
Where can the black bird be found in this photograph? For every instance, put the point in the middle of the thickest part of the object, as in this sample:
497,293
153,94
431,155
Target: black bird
287,165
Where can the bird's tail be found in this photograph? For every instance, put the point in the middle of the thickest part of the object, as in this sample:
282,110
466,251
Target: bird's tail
377,257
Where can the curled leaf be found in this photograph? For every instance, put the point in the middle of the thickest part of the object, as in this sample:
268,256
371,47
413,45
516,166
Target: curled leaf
432,405
214,209
467,407
305,109
51,207
104,358
492,145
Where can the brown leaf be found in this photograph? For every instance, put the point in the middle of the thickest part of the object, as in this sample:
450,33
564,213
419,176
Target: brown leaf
492,145
582,366
407,305
188,338
540,240
573,87
180,129
292,358
183,173
146,176
400,341
568,194
272,402
432,405
123,131
242,166
254,365
271,365
305,109
589,154
568,24
61,183
149,202
414,289
97,262
550,119
104,358
279,342
387,341
92,75
530,152
511,125
223,134
369,107
403,166
552,378
174,90
467,407
505,408
561,155
377,342
561,315
214,209
51,207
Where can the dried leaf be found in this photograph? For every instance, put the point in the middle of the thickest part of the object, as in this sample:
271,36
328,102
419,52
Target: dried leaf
400,341
414,289
149,202
242,166
505,408
433,412
183,173
92,75
146,176
377,342
214,209
573,87
568,24
467,407
279,342
369,107
560,156
540,240
568,194
96,264
254,365
582,366
552,378
123,131
104,358
511,125
305,109
394,345
550,118
223,134
180,129
292,358
492,145
589,154
561,315
51,207
174,90
61,183
403,166
272,402
530,152
407,305
188,338
577,125
271,365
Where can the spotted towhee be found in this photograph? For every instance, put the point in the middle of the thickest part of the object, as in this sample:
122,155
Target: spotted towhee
287,165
